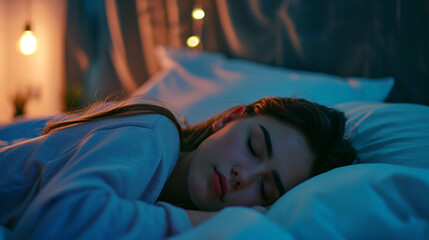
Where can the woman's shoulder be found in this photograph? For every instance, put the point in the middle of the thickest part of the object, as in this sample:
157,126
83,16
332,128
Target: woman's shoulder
156,122
160,127
136,128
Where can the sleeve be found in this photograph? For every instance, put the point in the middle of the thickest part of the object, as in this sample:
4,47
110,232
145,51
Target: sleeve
95,194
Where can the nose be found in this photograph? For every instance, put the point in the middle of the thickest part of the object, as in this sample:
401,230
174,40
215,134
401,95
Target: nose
242,177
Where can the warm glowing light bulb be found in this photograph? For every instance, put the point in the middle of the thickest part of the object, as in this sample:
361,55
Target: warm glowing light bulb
198,13
28,43
193,41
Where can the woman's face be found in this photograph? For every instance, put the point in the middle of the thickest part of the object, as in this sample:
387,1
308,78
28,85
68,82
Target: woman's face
250,161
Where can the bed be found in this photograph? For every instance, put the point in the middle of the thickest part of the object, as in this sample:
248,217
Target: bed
385,195
382,197
367,58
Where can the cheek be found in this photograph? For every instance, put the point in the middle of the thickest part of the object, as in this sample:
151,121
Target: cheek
197,180
294,172
225,146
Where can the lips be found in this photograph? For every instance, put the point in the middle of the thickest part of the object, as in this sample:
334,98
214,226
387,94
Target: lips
220,184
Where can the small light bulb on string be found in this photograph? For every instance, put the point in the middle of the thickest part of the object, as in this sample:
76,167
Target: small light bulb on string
27,42
193,41
198,14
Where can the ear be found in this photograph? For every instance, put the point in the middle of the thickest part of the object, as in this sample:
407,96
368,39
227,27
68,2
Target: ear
231,116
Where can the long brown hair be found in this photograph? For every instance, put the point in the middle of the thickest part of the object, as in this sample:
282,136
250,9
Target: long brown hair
117,110
322,126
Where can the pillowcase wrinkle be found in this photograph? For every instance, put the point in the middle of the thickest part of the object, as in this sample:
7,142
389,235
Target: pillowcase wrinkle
199,84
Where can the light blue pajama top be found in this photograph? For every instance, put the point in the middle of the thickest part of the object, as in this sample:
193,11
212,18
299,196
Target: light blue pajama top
98,180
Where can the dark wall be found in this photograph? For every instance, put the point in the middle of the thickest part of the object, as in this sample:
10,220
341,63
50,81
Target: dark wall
368,38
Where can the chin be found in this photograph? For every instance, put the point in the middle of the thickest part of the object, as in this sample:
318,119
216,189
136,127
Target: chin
201,202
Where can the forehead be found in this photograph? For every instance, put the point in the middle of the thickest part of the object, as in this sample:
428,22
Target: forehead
292,157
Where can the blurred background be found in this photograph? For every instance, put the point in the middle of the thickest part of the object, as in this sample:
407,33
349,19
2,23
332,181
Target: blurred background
87,50
37,79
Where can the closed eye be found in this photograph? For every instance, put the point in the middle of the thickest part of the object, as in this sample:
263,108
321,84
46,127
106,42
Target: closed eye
261,182
263,194
249,145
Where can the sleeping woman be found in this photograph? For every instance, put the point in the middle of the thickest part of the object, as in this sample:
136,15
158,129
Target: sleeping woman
131,170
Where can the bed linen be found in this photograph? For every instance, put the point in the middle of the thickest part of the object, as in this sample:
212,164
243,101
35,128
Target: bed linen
384,196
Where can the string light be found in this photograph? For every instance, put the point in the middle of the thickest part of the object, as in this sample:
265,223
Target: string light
198,13
193,41
27,42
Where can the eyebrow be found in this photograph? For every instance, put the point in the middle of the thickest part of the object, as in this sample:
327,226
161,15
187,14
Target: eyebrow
269,146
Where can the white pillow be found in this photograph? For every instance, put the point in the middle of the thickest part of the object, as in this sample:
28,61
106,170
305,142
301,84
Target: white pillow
198,85
389,133
363,201
368,201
